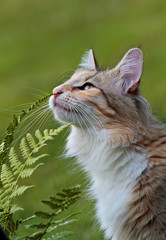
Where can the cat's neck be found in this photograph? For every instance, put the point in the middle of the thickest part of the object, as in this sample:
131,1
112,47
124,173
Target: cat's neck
114,170
88,145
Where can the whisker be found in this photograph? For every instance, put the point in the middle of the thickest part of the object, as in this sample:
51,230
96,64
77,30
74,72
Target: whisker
34,112
89,120
96,110
34,94
39,90
43,121
91,115
16,106
77,112
29,126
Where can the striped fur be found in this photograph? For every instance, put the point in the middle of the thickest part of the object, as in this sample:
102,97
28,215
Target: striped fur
120,144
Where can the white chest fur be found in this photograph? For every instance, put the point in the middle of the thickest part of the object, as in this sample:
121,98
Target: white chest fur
113,172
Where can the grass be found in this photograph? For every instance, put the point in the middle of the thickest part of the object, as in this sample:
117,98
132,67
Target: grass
41,43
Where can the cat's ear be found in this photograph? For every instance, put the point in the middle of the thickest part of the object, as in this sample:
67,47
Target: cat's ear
129,71
89,61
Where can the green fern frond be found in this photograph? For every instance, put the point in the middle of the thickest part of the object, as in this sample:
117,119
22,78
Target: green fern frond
44,215
16,120
27,172
21,165
39,136
20,190
25,149
60,235
49,226
14,160
15,208
6,176
33,160
31,141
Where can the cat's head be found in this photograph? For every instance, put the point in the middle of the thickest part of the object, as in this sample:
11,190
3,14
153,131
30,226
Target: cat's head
102,99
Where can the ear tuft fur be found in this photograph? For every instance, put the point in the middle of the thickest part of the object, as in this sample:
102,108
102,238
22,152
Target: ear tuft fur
89,61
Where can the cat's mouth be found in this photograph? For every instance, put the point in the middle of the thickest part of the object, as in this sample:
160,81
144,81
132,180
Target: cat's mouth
61,107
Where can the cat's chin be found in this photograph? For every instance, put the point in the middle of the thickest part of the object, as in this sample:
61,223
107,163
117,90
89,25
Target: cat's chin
63,114
68,115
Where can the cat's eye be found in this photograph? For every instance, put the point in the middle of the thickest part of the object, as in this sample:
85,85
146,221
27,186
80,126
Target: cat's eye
86,86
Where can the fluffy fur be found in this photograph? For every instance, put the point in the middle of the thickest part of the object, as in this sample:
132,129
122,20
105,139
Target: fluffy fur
119,143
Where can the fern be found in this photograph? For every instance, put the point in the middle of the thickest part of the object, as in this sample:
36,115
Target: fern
49,226
21,165
8,139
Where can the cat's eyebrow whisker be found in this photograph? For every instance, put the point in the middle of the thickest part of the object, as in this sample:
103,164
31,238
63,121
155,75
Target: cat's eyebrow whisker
38,90
34,94
61,75
16,106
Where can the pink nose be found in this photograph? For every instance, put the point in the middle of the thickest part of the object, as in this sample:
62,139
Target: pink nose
56,92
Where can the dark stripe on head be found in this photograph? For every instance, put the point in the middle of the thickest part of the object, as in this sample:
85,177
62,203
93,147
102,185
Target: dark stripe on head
106,98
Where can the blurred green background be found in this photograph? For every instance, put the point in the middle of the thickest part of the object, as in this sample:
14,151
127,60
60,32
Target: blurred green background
41,43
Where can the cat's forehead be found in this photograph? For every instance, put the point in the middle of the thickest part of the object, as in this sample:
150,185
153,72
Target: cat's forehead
101,79
81,76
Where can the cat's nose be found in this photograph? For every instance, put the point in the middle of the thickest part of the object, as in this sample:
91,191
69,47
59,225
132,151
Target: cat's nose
57,92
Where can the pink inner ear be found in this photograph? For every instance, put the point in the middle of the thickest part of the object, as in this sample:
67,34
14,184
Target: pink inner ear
130,70
134,86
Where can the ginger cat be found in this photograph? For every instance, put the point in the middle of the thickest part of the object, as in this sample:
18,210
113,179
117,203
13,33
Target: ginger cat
119,143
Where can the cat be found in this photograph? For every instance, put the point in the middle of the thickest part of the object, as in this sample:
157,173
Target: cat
119,143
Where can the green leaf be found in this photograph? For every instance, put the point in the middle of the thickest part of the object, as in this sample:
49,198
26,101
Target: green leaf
51,204
27,172
10,128
24,149
38,226
39,135
37,235
15,208
22,114
14,161
6,175
20,190
44,215
60,224
31,140
15,121
33,160
61,235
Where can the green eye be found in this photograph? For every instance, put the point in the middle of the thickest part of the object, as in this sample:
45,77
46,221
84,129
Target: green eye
88,86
